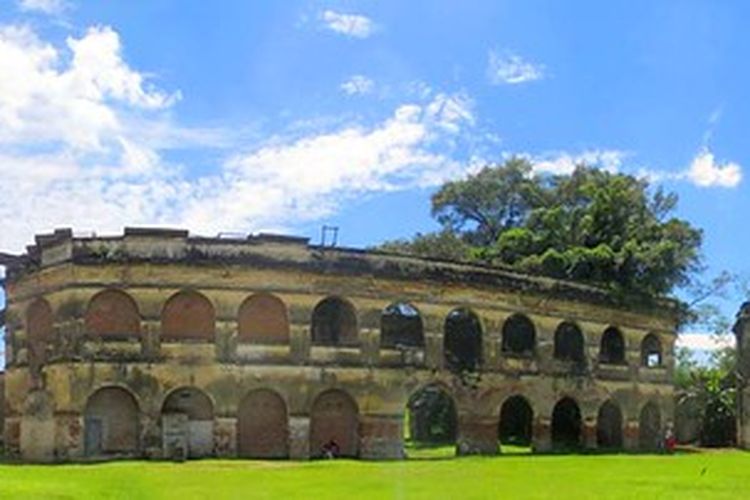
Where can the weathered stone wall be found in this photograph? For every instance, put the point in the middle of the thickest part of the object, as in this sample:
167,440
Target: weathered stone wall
134,319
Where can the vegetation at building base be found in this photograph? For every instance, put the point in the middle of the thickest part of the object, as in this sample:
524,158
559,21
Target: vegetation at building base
707,396
593,226
695,475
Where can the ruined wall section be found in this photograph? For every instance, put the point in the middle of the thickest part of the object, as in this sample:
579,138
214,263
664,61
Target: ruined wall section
46,406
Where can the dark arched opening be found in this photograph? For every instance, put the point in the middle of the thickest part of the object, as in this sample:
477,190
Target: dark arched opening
566,425
649,427
569,343
401,326
612,348
609,427
519,336
334,322
516,418
651,351
462,341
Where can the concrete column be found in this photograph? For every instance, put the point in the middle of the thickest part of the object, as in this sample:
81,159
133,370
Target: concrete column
588,431
476,435
225,437
381,436
630,435
299,437
541,435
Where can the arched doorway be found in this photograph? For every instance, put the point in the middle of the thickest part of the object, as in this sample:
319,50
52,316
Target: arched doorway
430,423
566,425
113,314
334,417
612,347
262,430
609,427
569,344
188,315
516,420
110,423
519,336
649,427
188,423
651,356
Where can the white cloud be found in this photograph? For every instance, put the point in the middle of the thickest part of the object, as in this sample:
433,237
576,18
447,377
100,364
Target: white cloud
704,341
358,85
82,137
562,163
353,25
511,69
51,7
705,171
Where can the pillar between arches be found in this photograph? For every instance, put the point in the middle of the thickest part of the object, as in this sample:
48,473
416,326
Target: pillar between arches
477,435
299,437
588,431
381,436
541,435
630,435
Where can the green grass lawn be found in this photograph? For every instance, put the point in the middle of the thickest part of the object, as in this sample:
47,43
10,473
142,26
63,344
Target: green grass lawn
723,474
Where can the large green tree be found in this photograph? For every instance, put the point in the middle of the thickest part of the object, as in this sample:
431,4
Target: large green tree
606,228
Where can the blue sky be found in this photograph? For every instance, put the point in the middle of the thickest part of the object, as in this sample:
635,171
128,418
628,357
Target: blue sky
246,116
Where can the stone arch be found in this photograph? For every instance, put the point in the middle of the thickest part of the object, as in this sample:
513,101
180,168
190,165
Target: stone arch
462,340
609,426
187,416
263,319
401,325
612,347
111,423
112,313
40,332
334,322
334,416
188,315
516,421
432,416
651,352
262,425
519,335
649,427
566,424
569,343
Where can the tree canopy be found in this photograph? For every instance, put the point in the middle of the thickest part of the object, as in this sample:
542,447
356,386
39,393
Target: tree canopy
605,228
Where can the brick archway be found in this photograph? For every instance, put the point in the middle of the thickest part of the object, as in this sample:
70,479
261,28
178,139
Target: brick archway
262,426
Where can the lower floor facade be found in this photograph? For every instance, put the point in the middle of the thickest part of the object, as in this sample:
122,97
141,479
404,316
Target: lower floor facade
177,411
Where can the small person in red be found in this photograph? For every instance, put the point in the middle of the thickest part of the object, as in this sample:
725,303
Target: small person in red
670,440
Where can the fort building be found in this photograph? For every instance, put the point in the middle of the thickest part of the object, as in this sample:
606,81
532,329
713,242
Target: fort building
159,344
742,335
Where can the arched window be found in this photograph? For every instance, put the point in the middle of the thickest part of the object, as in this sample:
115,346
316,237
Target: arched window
262,430
401,325
462,340
612,348
334,322
566,424
111,423
189,411
334,416
40,332
609,426
188,315
649,427
262,319
651,351
569,343
519,335
114,314
516,417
